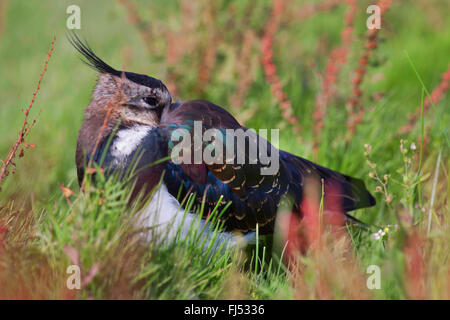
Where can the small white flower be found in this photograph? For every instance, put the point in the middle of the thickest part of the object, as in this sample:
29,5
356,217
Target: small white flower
378,235
413,146
375,236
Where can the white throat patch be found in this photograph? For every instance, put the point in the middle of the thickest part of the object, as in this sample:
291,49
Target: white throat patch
128,140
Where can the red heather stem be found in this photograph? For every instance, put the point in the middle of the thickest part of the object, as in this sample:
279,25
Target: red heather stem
179,43
136,20
337,58
26,127
146,34
270,69
244,75
415,266
209,54
355,108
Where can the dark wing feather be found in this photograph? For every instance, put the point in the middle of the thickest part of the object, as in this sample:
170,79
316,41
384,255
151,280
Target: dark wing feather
237,176
254,197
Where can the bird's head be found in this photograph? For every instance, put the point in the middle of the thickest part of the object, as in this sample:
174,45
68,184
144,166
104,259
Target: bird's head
137,98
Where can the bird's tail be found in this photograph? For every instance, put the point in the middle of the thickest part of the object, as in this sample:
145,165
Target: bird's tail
348,192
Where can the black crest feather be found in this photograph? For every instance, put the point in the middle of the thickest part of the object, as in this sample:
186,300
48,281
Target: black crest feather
92,60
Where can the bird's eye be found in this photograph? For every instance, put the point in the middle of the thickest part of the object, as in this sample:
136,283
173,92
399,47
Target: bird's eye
151,101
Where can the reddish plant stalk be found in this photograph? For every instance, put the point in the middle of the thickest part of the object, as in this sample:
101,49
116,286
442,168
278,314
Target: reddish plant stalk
337,58
244,75
178,43
209,53
25,130
270,69
136,20
111,106
415,273
146,34
354,105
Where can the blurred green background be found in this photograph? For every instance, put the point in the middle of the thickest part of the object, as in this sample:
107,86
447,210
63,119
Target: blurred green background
190,28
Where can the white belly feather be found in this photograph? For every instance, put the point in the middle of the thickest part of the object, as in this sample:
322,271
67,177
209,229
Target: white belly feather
164,217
